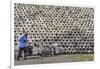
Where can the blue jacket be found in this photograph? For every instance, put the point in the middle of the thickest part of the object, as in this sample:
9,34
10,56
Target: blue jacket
23,41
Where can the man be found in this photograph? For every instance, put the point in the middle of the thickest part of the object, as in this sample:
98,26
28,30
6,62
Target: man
22,45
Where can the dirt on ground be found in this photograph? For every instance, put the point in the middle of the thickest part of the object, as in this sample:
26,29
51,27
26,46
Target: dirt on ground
55,59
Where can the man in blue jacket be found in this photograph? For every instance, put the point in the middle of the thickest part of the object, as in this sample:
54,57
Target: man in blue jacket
22,45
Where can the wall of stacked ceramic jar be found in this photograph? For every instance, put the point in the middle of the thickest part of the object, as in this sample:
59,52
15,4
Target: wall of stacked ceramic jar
70,27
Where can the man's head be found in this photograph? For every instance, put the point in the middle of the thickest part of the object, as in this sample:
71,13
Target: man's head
25,33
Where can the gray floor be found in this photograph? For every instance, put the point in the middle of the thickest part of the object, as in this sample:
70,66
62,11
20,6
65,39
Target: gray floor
55,59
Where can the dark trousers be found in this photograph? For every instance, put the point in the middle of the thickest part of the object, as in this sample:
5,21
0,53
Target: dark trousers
20,53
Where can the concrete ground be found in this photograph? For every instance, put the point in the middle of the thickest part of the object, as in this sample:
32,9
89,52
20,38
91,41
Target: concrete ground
56,59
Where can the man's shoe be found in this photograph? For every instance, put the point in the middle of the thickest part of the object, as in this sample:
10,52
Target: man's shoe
17,58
